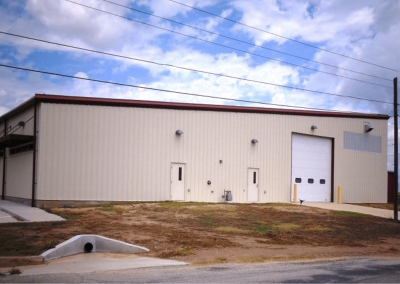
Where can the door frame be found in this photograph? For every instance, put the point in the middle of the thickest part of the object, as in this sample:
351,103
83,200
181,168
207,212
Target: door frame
184,180
258,183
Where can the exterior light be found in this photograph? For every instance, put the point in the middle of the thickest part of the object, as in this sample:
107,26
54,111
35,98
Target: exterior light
368,127
314,127
179,132
254,141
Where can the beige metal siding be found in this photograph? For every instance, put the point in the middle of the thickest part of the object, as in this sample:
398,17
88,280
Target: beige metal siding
121,153
24,116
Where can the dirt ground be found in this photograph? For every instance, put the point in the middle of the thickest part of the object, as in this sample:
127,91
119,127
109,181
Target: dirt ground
202,233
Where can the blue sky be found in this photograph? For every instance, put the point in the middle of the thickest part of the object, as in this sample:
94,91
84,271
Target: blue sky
367,30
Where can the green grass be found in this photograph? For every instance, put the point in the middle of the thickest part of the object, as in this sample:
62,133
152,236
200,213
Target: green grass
348,214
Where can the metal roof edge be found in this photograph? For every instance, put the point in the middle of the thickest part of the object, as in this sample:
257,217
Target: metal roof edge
21,107
201,107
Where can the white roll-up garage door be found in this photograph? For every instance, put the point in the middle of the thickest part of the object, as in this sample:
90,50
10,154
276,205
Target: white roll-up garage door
311,167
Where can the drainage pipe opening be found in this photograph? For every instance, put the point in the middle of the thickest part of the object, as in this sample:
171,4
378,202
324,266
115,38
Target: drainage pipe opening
88,247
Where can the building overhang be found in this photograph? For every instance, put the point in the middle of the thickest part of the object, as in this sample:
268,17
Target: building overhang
13,140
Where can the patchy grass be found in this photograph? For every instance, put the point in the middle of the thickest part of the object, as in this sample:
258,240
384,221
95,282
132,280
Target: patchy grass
216,260
348,214
111,208
286,227
279,204
261,229
320,229
207,220
49,244
67,215
170,253
193,230
172,204
232,230
253,259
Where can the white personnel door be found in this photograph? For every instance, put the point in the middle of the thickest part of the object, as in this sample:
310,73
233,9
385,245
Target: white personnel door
311,167
252,185
178,182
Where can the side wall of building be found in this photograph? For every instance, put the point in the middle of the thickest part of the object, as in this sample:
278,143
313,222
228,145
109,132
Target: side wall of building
121,153
19,166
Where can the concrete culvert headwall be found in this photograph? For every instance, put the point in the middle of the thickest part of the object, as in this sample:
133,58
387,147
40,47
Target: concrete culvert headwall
91,243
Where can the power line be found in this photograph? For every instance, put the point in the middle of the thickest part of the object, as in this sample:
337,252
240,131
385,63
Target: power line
225,46
157,89
190,69
287,38
242,41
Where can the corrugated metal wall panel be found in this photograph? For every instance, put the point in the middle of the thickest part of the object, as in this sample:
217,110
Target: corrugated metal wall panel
19,175
120,153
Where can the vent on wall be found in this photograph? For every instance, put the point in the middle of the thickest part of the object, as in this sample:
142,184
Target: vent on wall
21,149
362,142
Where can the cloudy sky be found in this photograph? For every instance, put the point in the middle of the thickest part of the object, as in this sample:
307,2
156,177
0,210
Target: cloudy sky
367,30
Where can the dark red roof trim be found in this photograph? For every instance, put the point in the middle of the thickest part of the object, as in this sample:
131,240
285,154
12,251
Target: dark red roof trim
201,107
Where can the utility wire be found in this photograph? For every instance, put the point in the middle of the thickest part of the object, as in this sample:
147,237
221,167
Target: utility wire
277,35
190,69
225,46
21,125
159,90
242,41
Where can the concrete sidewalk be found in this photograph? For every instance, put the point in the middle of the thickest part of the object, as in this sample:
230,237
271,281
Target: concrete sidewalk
25,213
353,208
94,262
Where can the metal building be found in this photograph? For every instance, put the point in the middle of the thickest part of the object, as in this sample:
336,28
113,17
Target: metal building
58,149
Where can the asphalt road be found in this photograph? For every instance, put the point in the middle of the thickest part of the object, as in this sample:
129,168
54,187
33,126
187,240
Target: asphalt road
366,270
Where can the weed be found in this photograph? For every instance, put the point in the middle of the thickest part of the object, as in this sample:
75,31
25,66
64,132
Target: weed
14,271
299,215
152,217
348,213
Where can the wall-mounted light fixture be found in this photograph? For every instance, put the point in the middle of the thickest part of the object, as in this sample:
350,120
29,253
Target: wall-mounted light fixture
313,127
179,132
21,123
368,127
254,141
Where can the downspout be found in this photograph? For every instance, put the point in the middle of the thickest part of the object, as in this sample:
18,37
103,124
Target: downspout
3,189
34,156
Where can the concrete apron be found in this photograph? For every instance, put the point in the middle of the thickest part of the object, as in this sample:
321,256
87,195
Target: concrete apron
383,213
92,262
